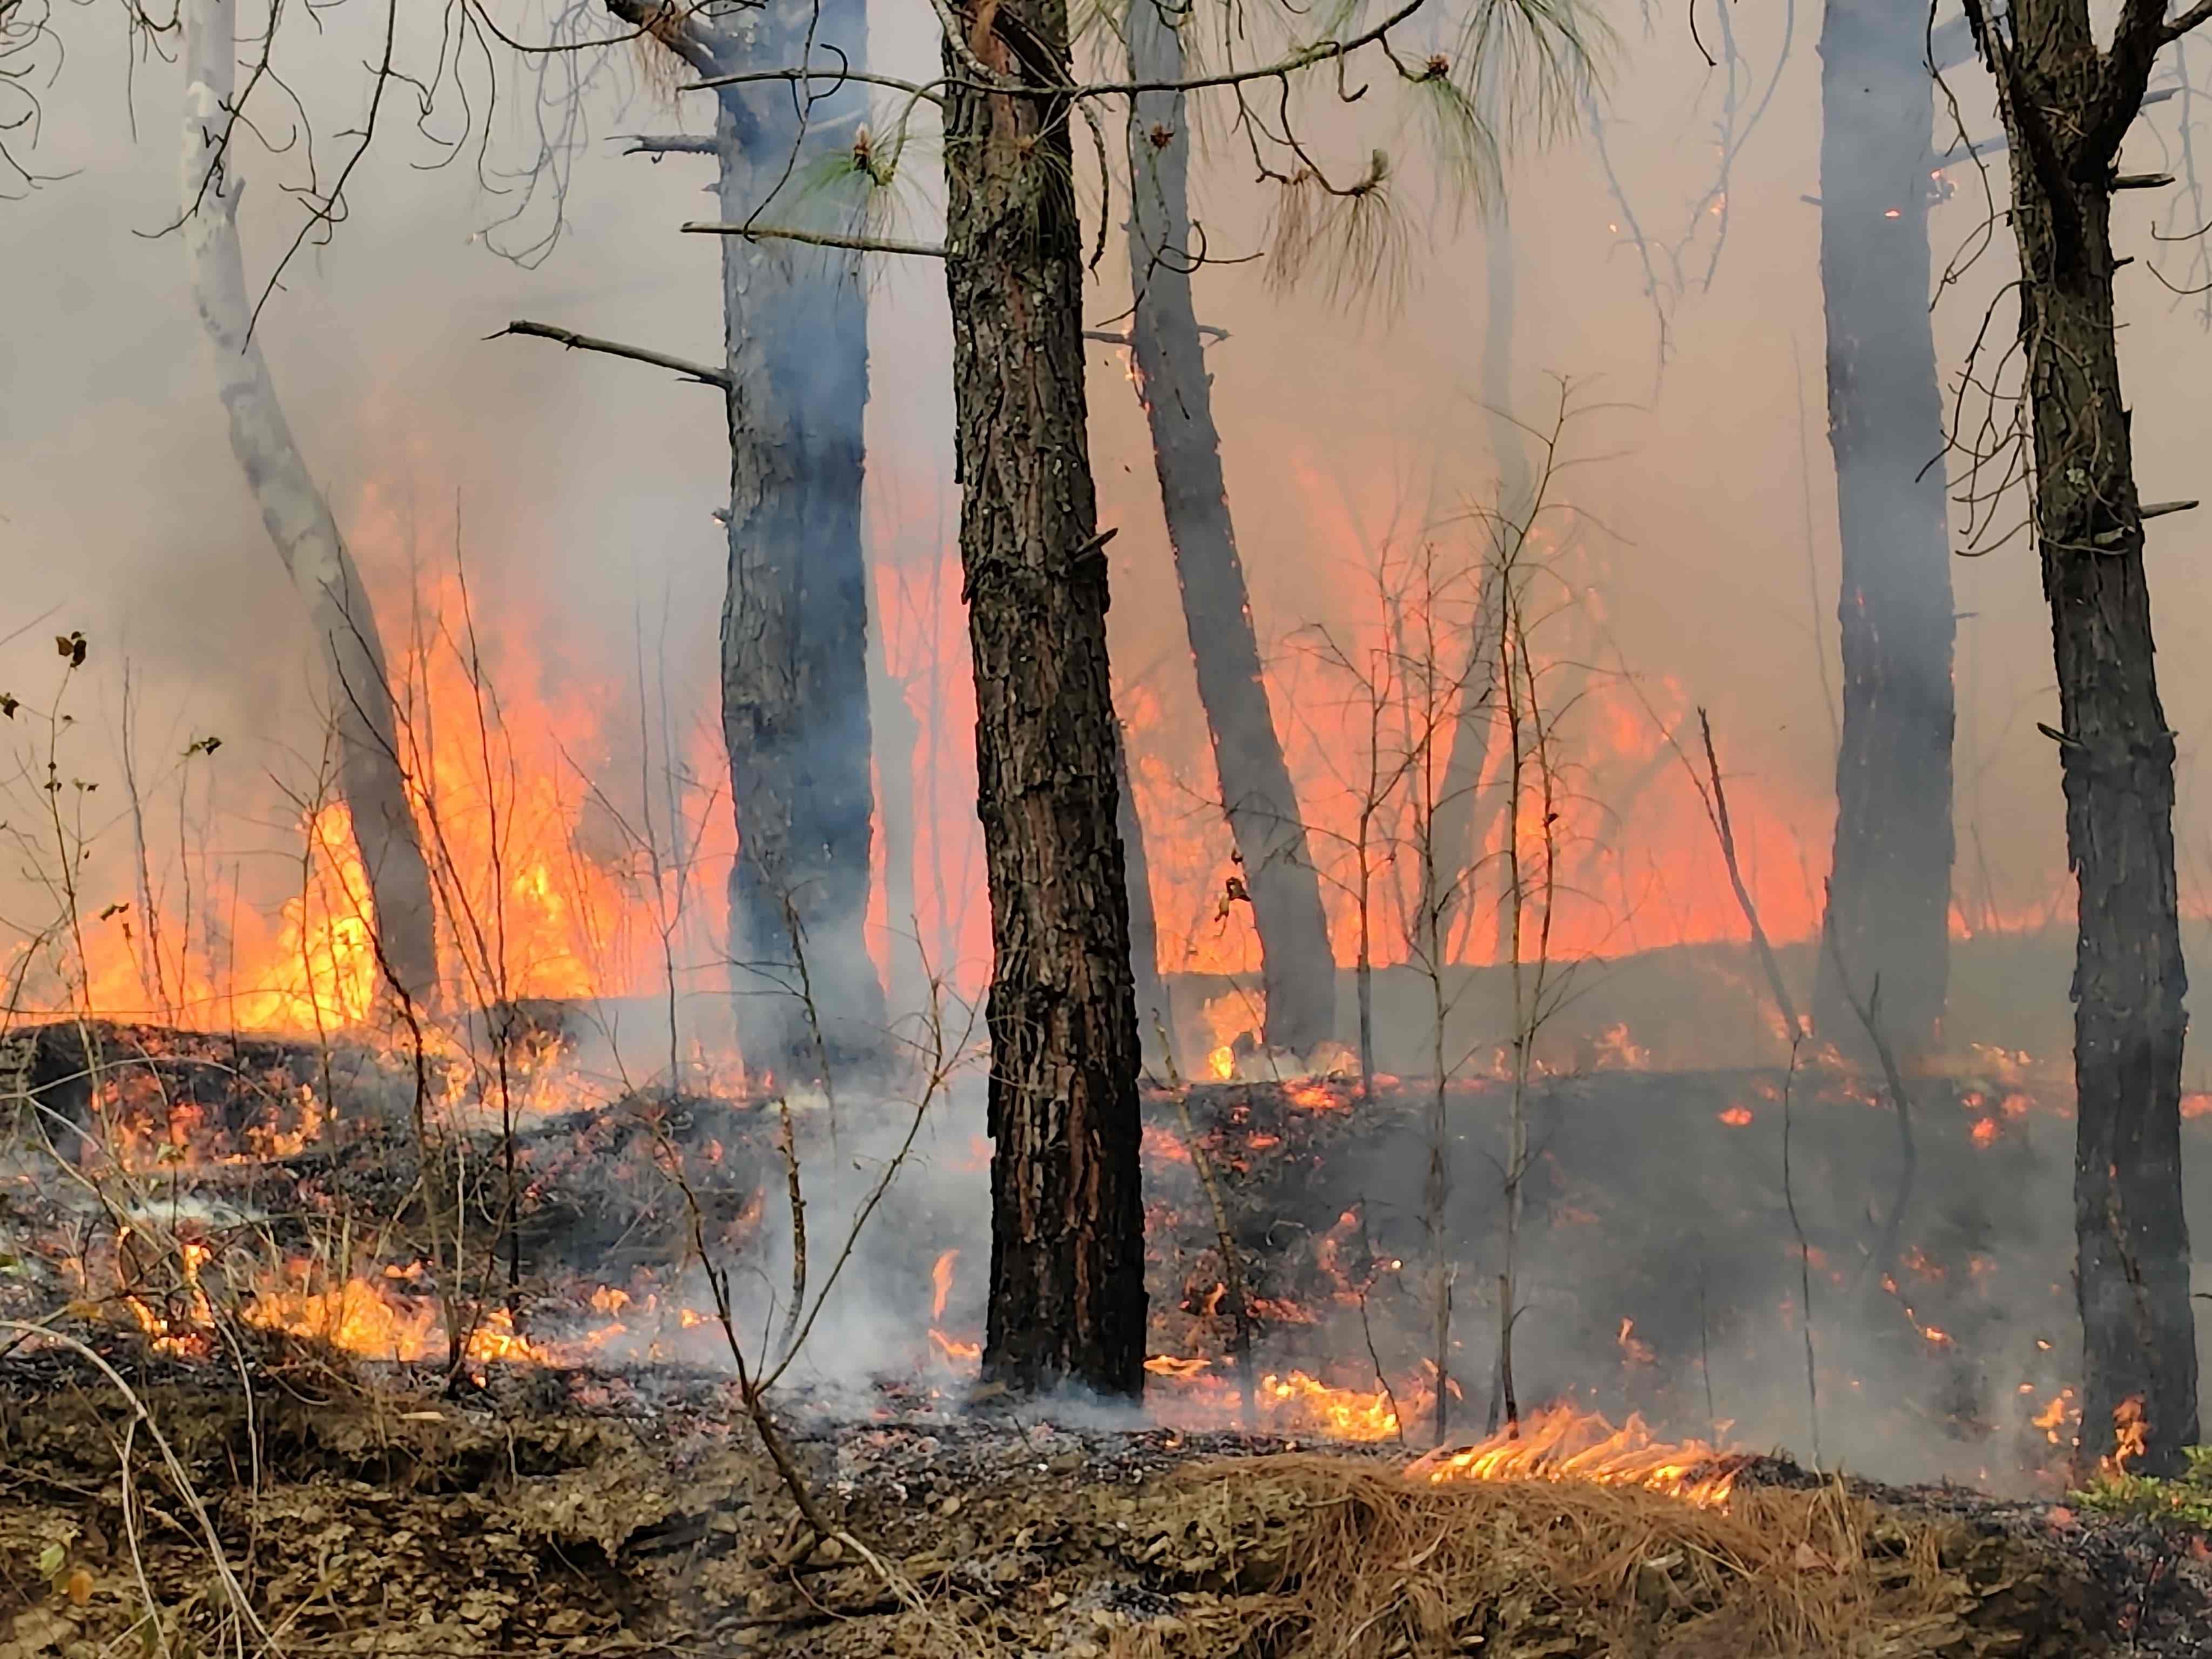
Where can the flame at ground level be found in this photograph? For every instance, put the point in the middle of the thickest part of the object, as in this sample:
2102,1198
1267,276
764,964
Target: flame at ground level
1560,1442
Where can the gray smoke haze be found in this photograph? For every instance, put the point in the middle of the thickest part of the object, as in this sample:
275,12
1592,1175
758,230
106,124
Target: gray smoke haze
585,488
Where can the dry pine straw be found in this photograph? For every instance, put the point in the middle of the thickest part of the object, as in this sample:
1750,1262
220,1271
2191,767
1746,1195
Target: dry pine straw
1313,1556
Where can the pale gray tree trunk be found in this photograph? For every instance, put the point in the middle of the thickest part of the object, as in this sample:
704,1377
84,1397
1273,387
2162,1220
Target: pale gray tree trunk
1298,969
371,776
795,715
1890,894
794,637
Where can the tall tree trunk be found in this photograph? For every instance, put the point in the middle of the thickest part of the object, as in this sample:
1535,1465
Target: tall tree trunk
1890,886
1155,1012
1067,1248
795,719
371,778
2067,108
898,740
1463,817
1297,969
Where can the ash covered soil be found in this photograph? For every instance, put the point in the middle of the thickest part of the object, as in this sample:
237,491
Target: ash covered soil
568,1513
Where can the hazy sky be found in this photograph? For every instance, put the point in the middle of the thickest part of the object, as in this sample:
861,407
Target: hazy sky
584,485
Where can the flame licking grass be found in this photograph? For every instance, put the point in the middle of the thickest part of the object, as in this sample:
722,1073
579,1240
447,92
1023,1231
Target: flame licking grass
1562,1443
367,1318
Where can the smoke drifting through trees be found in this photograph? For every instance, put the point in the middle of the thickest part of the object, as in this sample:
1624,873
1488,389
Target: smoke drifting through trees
1069,547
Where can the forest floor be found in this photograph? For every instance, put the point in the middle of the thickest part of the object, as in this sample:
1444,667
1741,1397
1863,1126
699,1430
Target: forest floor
558,1513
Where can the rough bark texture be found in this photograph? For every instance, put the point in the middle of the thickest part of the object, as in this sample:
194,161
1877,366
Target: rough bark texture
1298,969
2066,108
795,617
1067,1257
1891,885
371,778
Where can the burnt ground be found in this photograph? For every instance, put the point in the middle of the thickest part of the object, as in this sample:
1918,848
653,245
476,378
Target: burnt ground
559,1513
364,1510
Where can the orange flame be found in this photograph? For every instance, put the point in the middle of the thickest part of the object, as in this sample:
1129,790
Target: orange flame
1562,1443
940,1279
2130,1436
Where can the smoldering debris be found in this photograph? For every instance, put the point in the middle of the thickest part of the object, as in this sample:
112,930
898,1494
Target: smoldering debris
496,1526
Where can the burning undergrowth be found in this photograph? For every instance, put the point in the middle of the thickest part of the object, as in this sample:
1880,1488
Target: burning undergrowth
481,1401
195,1182
574,1520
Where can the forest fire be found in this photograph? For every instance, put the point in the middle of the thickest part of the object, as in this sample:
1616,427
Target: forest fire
367,1319
1562,1443
977,1005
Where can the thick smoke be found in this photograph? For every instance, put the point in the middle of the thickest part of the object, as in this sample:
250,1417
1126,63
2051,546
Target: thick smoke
579,491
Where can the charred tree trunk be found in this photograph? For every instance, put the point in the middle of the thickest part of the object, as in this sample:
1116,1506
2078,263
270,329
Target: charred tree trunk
1067,1249
372,777
1890,886
2067,105
1297,969
795,617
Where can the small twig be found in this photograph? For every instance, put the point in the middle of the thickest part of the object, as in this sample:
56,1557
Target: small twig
1804,1248
1908,1155
789,1146
575,341
1705,1356
1107,337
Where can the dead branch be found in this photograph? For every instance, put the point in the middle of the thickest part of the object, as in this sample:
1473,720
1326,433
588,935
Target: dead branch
575,341
1804,1245
815,239
835,76
1720,826
673,143
789,1146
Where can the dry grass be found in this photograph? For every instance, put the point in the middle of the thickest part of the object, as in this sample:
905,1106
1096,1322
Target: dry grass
1315,1557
